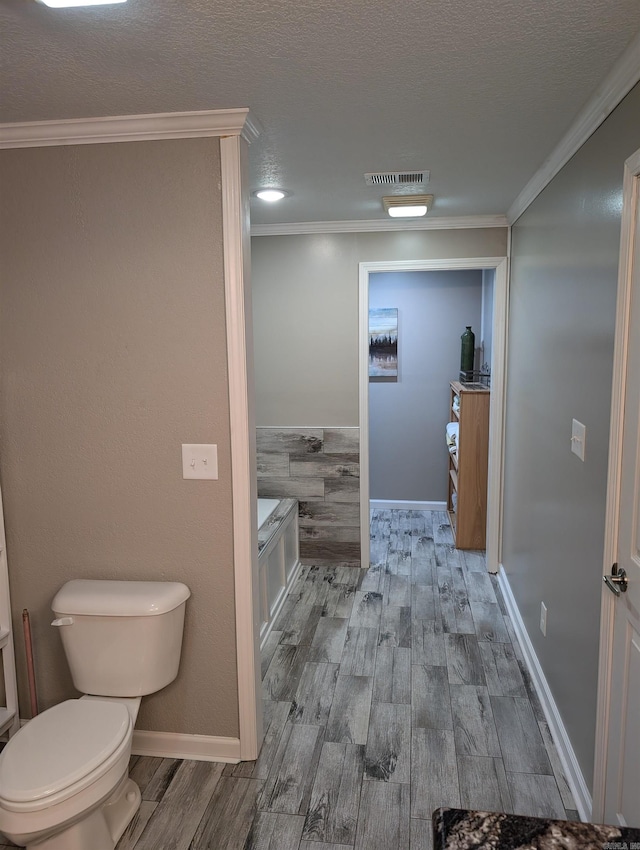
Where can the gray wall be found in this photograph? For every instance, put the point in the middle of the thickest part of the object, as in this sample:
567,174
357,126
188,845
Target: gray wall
305,300
407,417
561,336
113,353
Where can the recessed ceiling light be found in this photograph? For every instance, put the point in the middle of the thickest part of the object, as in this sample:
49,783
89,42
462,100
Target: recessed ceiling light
270,195
63,4
407,206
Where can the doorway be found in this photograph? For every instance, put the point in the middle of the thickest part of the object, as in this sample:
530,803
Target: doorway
408,464
497,364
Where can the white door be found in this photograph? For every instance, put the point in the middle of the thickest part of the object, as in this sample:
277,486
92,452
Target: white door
620,764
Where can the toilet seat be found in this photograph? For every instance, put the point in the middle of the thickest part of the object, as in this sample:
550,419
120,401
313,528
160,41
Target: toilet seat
62,751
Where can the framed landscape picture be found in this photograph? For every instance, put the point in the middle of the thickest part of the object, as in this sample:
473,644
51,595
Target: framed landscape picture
383,342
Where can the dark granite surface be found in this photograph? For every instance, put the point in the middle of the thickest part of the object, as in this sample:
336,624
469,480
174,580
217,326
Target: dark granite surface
462,829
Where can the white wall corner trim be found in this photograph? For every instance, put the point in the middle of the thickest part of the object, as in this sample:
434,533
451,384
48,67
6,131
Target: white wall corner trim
570,765
130,128
177,745
468,222
497,411
235,221
363,413
618,83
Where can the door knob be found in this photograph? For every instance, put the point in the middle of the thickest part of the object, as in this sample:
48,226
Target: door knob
617,582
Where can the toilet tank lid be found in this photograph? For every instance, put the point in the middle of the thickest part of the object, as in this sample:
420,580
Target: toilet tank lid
93,597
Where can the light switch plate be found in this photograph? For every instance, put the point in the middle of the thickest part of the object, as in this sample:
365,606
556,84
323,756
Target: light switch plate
578,438
199,460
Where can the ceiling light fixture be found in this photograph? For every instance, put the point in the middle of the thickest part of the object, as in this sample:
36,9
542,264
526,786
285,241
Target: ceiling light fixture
407,206
270,195
63,4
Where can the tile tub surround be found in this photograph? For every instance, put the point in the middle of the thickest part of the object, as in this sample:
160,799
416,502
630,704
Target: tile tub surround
320,467
462,829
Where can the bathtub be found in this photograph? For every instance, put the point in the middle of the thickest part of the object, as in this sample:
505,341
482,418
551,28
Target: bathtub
278,557
265,508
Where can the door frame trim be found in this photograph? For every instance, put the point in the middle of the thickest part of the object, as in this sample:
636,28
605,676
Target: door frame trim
239,318
498,387
630,195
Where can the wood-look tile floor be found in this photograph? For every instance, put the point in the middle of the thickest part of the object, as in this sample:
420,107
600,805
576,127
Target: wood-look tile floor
387,693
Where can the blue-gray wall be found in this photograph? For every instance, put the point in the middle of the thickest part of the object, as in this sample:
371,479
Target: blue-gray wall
407,417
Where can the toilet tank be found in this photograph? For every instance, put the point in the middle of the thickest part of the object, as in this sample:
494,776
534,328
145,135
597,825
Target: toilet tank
121,638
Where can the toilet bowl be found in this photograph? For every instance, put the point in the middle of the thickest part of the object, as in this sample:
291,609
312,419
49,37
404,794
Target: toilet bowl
64,776
63,781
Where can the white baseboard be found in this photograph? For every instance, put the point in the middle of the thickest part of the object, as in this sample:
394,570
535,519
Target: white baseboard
561,739
177,745
399,505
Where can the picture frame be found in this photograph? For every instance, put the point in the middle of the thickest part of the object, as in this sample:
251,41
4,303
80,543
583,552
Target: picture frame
383,342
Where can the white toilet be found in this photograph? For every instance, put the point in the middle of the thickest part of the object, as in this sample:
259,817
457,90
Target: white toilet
63,776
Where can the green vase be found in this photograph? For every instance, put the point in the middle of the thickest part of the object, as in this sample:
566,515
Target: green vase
468,350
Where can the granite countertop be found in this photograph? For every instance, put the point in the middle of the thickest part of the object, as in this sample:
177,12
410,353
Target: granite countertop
462,829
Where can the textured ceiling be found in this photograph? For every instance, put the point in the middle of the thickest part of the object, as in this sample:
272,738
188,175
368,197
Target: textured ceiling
478,93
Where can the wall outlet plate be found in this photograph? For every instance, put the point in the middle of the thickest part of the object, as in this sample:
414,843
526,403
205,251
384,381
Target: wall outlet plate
543,618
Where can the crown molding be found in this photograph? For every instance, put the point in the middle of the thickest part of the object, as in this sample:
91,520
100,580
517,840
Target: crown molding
131,128
375,226
252,128
618,83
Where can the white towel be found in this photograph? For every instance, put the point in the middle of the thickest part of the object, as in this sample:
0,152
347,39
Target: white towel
452,436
